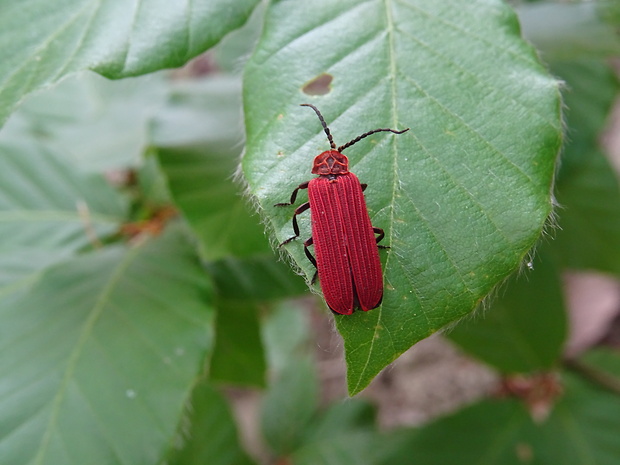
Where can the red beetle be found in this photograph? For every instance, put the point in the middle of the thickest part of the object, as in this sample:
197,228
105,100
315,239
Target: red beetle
347,257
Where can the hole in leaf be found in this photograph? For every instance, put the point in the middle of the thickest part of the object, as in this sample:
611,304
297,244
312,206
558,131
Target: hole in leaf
320,85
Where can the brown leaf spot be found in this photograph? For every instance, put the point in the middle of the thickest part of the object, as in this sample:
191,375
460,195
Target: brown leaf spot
320,85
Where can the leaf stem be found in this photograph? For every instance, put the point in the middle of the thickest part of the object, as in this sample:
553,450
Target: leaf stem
594,375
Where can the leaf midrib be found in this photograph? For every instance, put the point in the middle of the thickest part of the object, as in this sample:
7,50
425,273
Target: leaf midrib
392,76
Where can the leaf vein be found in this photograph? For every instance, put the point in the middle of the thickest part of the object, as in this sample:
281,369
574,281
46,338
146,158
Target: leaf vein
473,131
74,356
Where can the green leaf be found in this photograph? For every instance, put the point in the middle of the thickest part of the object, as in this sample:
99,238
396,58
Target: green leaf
289,406
344,434
212,434
599,367
201,113
152,185
259,277
589,217
570,30
96,124
524,328
198,135
238,356
42,42
342,448
609,11
462,196
604,359
583,425
200,183
286,334
293,425
96,365
587,106
49,205
22,265
488,433
235,49
343,417
587,188
582,428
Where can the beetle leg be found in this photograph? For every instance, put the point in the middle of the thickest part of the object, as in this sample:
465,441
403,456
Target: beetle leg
380,232
364,186
302,208
307,244
381,235
303,185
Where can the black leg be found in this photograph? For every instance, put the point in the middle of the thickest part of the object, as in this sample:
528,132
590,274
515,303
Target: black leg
302,208
303,185
381,235
307,244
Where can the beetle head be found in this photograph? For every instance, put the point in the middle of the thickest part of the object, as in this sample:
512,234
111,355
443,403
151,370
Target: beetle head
330,162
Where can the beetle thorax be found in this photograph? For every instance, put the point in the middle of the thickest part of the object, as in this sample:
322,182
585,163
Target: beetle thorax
330,162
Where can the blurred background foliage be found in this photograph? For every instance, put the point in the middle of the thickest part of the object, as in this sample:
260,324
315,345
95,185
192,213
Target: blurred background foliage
142,304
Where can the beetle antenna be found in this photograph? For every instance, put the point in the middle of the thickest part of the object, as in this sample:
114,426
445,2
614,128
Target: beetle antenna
366,134
323,123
